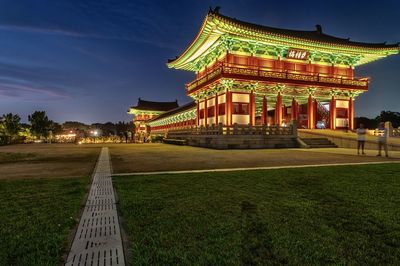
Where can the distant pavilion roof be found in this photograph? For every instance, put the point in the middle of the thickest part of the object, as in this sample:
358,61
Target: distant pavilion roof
143,105
177,110
216,25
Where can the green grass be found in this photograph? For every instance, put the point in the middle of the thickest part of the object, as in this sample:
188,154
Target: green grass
346,215
15,157
18,157
36,217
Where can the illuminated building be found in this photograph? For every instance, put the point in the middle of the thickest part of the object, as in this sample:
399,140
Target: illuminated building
147,110
256,75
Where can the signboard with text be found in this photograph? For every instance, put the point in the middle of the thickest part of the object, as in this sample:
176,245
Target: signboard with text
297,54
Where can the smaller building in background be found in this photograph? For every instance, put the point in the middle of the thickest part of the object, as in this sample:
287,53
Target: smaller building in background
147,110
178,118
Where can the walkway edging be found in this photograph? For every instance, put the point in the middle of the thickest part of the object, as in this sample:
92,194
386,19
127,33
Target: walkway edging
248,168
98,238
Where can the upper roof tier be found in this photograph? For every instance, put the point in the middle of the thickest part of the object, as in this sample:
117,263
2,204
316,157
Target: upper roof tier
220,33
153,106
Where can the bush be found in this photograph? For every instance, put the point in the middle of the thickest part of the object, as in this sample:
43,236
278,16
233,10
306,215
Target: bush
157,138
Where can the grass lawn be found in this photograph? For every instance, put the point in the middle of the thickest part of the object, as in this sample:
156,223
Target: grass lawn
129,158
47,160
309,216
42,187
37,215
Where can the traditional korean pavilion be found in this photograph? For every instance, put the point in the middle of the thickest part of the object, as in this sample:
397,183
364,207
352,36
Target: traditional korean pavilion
147,110
258,75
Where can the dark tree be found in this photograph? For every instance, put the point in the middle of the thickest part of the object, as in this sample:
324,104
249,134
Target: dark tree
393,117
108,129
74,125
10,126
56,128
121,127
370,123
40,124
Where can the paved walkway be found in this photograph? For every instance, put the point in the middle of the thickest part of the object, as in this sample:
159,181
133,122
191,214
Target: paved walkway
248,168
98,238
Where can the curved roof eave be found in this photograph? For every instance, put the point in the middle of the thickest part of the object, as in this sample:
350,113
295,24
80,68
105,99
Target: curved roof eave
215,20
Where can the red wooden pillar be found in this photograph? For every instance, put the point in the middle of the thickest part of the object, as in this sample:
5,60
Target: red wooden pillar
205,112
198,114
284,112
315,109
228,108
309,67
294,109
278,63
332,113
351,113
332,70
264,116
350,72
252,110
310,112
216,109
278,110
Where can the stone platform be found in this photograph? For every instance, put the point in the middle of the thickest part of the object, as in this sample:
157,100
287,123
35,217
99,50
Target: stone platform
237,137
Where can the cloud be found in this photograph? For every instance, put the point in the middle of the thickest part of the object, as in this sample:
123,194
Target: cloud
43,30
32,83
130,37
35,94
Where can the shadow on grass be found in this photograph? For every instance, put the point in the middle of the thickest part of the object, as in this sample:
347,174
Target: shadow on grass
256,242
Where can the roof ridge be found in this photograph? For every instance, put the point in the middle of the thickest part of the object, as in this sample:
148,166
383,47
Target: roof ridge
318,32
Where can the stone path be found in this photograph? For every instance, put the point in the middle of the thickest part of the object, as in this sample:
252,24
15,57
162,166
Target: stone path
249,168
98,238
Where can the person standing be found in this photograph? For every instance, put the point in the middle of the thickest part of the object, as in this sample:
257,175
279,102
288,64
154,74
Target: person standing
361,131
382,134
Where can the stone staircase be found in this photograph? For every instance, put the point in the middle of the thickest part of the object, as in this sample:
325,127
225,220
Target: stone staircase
319,143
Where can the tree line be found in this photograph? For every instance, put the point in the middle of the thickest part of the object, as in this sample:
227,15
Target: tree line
12,130
40,127
384,116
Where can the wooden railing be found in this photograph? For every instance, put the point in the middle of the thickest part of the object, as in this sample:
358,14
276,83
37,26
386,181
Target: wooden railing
396,132
223,68
234,130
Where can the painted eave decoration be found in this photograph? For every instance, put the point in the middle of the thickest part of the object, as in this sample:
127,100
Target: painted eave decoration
218,33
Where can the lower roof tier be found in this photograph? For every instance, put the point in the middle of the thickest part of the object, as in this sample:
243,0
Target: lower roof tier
241,79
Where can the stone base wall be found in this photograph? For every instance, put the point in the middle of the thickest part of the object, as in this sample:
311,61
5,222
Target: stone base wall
239,141
343,142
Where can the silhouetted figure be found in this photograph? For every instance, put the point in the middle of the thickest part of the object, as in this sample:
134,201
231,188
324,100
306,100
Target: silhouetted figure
361,132
382,134
346,126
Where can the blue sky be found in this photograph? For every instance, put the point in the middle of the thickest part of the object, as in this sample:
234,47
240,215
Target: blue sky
90,60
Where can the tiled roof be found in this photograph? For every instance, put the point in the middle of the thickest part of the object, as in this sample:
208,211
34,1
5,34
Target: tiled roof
155,106
175,111
316,35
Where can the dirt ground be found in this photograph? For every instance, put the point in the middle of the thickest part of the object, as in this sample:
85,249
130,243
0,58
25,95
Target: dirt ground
47,160
68,160
129,158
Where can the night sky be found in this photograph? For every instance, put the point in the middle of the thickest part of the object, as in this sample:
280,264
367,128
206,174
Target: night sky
90,60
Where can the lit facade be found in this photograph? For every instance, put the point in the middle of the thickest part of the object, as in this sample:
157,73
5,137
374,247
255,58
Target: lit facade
257,75
144,111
